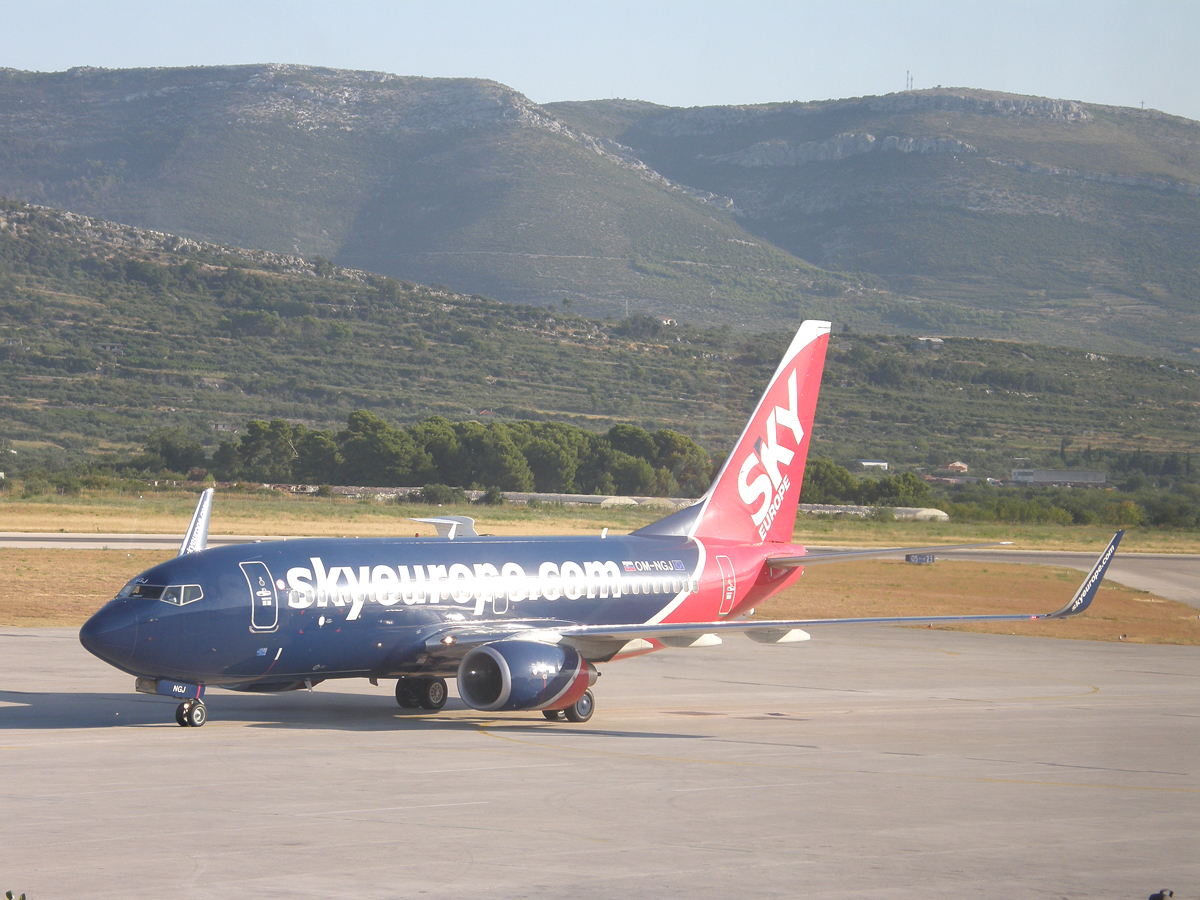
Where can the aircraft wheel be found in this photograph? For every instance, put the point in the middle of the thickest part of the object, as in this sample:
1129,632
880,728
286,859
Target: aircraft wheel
408,693
197,715
552,714
181,714
433,693
581,710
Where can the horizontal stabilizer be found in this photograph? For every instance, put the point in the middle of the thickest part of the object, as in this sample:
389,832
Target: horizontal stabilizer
451,526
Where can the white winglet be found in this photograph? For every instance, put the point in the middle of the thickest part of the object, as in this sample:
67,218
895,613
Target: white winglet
196,538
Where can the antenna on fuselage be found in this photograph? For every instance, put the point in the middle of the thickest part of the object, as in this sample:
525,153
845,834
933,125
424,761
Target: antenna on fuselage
196,538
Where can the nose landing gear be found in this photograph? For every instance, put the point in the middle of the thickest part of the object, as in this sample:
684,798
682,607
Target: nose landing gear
191,713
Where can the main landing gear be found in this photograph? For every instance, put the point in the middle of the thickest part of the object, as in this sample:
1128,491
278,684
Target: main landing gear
191,712
579,711
427,693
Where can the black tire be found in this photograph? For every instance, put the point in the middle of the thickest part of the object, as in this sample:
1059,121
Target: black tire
581,710
197,715
433,693
181,714
408,693
552,714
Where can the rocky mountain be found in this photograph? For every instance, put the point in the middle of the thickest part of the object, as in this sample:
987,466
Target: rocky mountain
459,182
944,211
1084,219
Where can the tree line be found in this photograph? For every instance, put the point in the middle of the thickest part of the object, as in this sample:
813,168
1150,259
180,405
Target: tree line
452,456
512,456
1138,503
827,482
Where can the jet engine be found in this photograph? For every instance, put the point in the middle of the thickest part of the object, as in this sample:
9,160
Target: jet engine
523,675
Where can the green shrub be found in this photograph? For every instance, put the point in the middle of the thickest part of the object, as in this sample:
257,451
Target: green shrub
493,496
440,495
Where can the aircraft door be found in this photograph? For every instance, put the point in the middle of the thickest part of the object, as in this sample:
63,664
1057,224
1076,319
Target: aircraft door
728,584
264,602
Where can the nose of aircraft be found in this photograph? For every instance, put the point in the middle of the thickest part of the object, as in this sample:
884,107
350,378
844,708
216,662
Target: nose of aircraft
111,634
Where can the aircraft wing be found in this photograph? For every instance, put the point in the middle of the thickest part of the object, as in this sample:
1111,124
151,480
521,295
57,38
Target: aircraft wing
599,642
812,559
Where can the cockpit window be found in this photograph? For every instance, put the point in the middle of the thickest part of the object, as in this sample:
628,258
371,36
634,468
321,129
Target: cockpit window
181,594
176,594
142,591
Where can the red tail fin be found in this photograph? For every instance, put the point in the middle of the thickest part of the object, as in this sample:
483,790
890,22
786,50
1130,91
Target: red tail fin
754,497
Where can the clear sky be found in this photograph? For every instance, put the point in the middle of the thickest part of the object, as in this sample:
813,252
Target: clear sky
676,53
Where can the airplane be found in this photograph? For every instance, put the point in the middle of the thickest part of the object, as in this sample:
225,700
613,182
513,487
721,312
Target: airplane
522,623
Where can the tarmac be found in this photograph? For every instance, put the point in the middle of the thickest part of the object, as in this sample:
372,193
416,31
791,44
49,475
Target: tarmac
869,762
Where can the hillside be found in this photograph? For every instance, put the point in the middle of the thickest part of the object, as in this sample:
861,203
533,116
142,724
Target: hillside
108,331
956,212
1042,219
446,181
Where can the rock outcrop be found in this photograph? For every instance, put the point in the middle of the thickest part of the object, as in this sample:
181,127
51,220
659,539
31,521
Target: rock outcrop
784,153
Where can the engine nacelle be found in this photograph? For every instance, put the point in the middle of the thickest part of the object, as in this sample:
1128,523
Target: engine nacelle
523,675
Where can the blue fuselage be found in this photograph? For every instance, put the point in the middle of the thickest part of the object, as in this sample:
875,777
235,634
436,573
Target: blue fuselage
272,615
